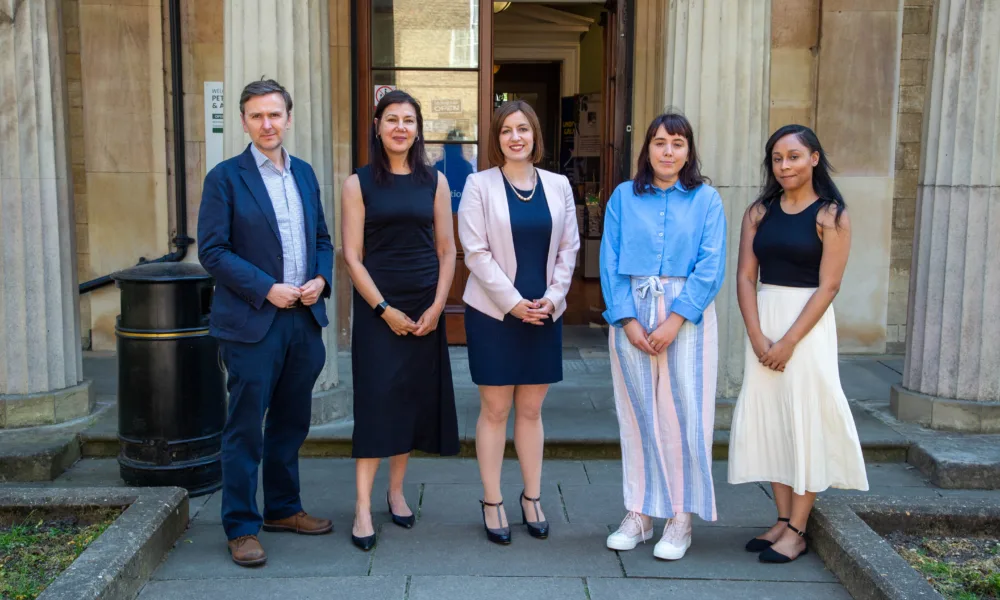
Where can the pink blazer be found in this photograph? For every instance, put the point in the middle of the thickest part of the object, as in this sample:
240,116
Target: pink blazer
484,230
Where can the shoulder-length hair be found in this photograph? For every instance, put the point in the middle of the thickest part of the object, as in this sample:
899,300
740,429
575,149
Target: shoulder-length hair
822,182
494,153
417,156
690,175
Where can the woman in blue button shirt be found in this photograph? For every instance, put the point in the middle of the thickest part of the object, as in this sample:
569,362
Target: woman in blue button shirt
662,263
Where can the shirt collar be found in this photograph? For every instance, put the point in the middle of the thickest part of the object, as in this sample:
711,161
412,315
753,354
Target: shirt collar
677,186
262,160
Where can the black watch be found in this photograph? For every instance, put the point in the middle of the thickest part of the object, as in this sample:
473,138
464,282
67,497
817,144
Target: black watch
381,308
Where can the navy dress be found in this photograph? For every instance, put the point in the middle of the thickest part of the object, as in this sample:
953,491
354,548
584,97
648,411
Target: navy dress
511,352
403,394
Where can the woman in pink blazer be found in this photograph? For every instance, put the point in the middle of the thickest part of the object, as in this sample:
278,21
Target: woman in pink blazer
517,225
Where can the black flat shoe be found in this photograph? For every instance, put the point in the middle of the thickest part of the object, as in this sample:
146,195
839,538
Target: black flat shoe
500,535
537,529
759,545
772,556
406,522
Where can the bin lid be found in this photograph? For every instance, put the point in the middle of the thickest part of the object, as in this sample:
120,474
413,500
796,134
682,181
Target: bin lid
162,272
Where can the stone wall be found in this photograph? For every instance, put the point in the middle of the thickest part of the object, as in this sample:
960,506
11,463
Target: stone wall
123,147
74,88
913,67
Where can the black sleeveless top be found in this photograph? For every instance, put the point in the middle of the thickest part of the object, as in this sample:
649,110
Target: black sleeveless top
788,248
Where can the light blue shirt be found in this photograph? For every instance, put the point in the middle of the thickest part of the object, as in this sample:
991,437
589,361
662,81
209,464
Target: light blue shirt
672,233
288,212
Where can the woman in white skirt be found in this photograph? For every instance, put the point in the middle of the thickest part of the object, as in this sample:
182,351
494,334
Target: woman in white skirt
792,425
662,263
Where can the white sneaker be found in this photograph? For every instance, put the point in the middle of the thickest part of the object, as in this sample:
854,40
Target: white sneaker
632,531
676,538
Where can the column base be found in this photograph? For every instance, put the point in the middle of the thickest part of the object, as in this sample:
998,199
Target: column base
46,408
332,404
948,414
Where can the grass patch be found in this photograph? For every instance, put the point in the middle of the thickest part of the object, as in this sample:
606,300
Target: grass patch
36,548
959,568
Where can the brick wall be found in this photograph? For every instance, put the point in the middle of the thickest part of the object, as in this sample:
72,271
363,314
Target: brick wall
914,64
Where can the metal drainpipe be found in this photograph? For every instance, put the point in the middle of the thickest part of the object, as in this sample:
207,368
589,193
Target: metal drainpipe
181,240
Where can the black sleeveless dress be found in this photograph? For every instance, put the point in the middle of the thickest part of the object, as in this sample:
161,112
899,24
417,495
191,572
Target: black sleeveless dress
403,394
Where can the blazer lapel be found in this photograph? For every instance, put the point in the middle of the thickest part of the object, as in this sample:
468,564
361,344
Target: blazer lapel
251,176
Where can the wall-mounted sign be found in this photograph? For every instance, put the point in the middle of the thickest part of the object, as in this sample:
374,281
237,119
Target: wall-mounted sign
381,90
213,124
446,105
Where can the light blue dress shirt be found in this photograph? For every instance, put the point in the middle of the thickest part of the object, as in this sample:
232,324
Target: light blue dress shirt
288,212
672,233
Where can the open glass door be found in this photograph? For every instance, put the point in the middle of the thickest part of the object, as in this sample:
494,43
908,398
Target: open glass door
440,52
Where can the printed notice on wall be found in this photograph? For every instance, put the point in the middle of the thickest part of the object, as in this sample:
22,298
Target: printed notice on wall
213,124
381,90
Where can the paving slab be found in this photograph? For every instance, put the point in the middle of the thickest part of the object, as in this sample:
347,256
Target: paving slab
717,553
631,589
300,588
459,503
201,553
959,461
464,550
866,379
737,506
497,588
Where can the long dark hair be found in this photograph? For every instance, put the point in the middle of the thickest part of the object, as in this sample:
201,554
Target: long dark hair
690,175
417,156
822,182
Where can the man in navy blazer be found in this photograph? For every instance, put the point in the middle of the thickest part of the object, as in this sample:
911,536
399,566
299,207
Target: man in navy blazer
262,235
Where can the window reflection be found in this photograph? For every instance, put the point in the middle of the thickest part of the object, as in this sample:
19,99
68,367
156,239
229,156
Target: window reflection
425,33
457,161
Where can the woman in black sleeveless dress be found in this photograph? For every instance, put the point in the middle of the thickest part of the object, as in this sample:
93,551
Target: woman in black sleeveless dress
792,425
400,250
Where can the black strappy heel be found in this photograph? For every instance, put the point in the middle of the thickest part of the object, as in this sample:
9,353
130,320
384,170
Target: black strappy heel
537,529
759,545
772,556
500,535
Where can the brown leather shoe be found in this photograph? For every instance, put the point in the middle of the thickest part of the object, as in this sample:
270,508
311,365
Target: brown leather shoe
300,523
247,551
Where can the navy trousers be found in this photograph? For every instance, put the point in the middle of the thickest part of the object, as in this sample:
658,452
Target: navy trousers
273,377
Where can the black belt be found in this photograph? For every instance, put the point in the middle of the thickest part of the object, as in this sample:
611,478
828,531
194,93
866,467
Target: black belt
296,304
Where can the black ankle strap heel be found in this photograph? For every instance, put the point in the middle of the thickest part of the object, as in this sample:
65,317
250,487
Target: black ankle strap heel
500,535
537,529
759,545
772,556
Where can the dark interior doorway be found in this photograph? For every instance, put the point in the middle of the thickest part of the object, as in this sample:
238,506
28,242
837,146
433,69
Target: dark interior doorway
538,85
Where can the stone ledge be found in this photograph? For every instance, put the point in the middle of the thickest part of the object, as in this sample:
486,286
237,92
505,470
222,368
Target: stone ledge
37,456
332,405
48,408
947,414
865,563
119,562
969,462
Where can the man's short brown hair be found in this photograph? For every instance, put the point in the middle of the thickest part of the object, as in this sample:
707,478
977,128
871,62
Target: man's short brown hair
494,153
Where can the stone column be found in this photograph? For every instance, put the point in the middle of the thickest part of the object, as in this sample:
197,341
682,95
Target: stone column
717,57
41,372
951,378
290,42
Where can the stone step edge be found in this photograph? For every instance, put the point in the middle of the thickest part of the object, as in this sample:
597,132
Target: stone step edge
575,449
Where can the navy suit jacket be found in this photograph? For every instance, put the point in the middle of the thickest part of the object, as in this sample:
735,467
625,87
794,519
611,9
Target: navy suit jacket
239,245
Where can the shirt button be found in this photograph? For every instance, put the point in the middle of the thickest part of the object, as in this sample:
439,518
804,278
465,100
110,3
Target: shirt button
661,234
661,214
658,256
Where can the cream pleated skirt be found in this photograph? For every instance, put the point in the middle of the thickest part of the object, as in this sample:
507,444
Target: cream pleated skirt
795,427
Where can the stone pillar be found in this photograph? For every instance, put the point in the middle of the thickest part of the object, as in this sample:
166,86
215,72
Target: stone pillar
951,378
290,42
41,372
717,57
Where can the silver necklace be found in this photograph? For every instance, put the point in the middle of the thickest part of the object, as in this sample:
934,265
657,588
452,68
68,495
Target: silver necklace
534,186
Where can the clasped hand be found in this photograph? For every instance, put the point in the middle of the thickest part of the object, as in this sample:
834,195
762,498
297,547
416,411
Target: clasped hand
401,324
656,342
533,311
284,295
773,355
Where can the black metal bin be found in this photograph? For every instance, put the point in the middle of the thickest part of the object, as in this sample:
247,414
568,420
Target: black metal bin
171,384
